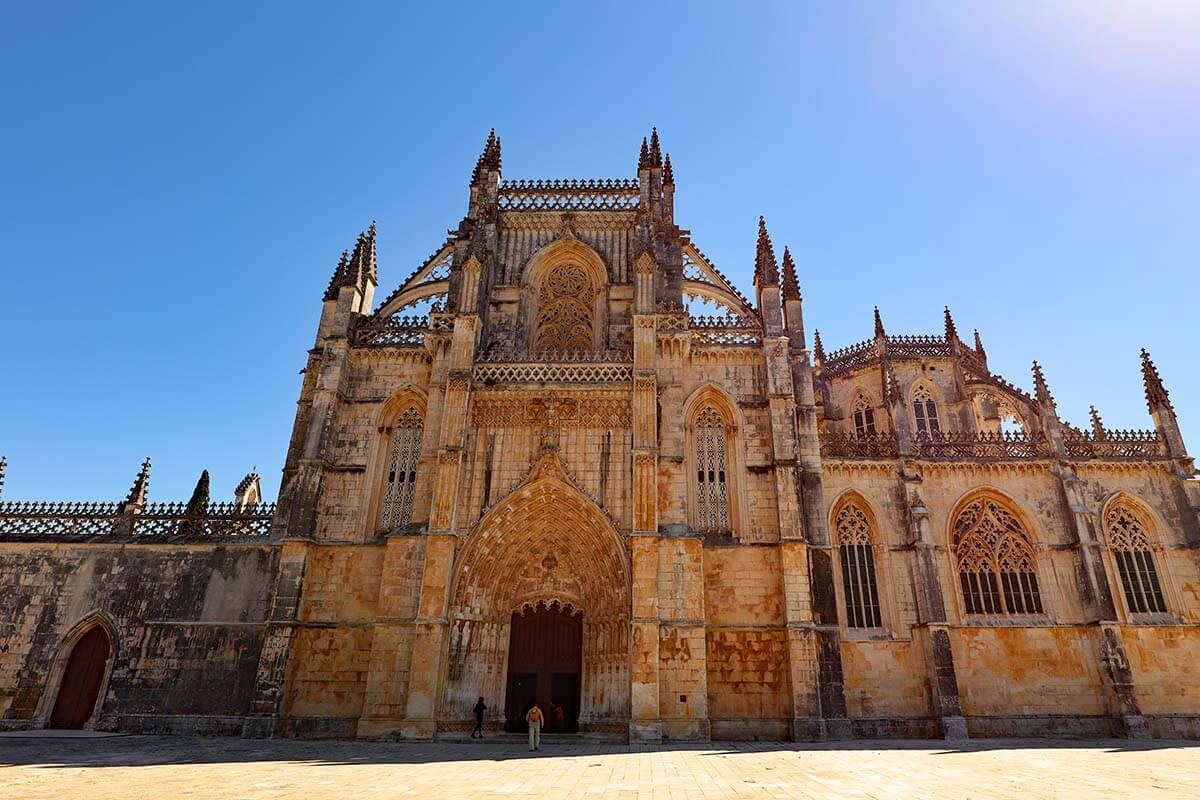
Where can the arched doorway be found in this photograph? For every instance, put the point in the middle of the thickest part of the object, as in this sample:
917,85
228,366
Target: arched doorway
540,590
80,685
545,655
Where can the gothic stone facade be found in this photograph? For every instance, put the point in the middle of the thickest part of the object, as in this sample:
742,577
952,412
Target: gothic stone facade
704,528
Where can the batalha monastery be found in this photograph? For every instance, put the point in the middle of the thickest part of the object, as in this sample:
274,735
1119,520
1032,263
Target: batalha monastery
530,474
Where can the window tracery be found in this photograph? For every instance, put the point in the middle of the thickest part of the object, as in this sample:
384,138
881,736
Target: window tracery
858,567
995,561
925,411
712,486
1130,542
564,319
864,416
403,456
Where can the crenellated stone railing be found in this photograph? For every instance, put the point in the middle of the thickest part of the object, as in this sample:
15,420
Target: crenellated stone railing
1116,445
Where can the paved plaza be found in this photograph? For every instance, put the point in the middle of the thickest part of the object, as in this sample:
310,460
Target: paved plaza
131,767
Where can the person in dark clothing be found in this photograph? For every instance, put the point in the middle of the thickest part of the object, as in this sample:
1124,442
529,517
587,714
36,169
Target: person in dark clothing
479,709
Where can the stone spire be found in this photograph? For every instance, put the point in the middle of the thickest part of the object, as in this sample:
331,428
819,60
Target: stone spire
791,284
3,466
1156,394
1097,423
979,344
951,331
198,503
656,158
644,156
879,332
136,499
338,280
489,159
248,491
668,173
1040,390
818,347
766,268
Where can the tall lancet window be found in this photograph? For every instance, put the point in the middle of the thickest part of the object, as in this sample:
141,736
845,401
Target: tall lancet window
864,416
858,567
564,318
1131,547
712,478
995,561
402,470
925,411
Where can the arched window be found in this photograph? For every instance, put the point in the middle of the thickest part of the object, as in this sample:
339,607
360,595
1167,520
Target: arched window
925,411
403,456
858,567
864,416
1131,546
995,561
712,478
564,318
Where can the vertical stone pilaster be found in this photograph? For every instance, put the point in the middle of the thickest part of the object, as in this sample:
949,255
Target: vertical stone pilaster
270,684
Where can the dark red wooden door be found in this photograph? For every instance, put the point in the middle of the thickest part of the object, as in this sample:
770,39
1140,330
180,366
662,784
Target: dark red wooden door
545,652
81,681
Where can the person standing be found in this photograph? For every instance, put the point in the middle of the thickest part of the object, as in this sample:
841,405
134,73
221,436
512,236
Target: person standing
535,718
479,709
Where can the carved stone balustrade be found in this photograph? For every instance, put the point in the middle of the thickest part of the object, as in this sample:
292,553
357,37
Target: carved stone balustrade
64,520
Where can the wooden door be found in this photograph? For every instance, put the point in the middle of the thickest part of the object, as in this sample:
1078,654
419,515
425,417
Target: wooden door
80,686
545,652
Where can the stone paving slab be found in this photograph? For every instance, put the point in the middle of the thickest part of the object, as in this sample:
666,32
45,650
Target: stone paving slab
137,767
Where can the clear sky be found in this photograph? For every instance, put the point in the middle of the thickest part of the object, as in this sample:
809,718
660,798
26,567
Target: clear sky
179,179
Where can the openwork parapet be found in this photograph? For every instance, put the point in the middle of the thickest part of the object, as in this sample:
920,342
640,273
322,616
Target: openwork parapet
728,330
850,357
21,519
539,372
392,331
1115,445
917,346
964,446
568,195
858,446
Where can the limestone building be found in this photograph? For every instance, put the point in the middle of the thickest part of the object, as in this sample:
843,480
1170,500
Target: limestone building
531,473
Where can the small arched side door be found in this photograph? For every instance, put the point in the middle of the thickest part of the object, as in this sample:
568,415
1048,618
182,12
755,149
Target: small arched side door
80,686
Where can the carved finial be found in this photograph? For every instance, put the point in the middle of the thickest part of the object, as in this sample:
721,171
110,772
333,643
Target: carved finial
668,173
1156,394
644,156
370,265
489,159
879,332
198,503
338,278
141,487
766,269
791,284
248,491
979,344
655,149
1097,423
951,331
818,347
1040,390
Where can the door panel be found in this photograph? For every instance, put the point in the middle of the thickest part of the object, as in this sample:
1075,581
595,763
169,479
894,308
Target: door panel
80,685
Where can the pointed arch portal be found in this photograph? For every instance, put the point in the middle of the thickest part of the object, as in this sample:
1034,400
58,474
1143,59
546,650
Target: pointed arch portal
80,686
539,609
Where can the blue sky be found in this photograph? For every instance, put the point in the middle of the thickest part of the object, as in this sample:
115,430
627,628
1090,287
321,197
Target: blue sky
179,181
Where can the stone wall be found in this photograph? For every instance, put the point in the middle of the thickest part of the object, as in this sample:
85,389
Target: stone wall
188,622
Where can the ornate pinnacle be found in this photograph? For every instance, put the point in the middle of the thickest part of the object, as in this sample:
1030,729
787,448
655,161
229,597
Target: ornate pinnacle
141,486
1097,423
766,269
656,159
371,267
791,284
979,344
1156,393
951,331
3,465
489,160
339,276
668,173
198,503
879,332
644,156
818,347
1040,390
